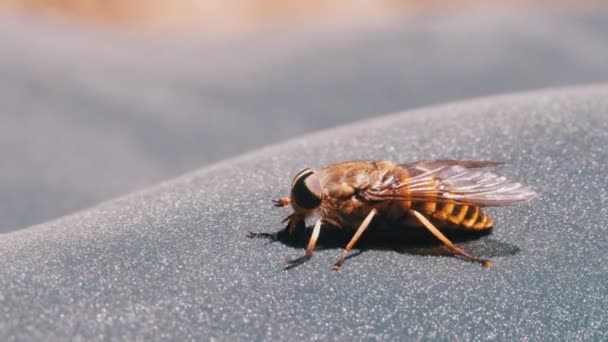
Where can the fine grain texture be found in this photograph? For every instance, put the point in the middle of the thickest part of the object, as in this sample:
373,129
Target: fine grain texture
87,115
174,262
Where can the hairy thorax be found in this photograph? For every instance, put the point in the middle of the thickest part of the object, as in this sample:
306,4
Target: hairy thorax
343,204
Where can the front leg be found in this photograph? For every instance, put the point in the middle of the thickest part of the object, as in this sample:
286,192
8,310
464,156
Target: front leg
294,221
309,248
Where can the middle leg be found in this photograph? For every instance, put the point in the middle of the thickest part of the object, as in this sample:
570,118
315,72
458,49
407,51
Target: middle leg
355,238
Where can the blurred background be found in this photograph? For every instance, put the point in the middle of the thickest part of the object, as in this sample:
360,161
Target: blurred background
100,98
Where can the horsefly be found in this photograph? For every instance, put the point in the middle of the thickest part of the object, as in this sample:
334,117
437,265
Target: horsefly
437,195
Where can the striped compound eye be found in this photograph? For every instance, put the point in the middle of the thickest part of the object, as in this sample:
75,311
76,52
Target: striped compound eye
306,189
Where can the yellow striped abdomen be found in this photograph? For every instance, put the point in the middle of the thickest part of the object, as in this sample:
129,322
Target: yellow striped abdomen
459,216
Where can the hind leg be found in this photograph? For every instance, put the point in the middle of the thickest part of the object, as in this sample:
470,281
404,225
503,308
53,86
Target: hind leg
457,250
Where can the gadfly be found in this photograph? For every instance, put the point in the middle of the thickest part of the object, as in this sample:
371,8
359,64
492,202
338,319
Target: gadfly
434,194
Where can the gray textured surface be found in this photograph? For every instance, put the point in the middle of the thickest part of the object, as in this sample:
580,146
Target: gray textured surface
173,261
88,115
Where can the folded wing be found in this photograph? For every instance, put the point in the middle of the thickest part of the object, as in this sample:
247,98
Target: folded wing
459,182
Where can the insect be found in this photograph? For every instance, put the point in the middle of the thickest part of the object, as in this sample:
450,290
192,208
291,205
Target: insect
434,194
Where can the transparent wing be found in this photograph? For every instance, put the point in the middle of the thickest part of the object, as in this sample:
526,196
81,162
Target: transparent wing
456,181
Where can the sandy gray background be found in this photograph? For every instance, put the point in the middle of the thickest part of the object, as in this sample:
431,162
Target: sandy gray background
88,115
173,261
91,114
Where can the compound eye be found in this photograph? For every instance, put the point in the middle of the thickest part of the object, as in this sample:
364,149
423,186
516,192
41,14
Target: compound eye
306,189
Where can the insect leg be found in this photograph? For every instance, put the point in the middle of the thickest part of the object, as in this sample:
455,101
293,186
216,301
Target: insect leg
313,238
294,221
355,238
457,250
309,248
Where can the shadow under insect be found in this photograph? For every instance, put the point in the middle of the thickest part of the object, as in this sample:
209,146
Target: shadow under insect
401,239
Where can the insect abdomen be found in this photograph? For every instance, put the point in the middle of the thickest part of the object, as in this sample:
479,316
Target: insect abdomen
466,216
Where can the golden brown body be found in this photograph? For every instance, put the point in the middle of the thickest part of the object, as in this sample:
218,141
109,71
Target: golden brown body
345,205
448,194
